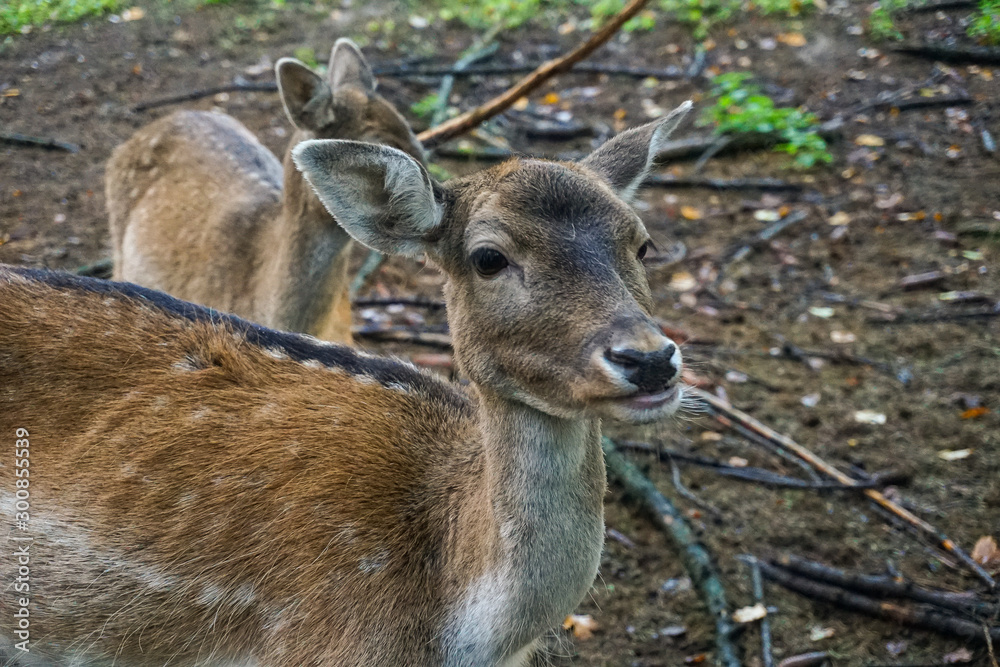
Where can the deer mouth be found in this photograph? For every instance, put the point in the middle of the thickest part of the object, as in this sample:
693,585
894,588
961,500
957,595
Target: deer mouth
651,401
643,407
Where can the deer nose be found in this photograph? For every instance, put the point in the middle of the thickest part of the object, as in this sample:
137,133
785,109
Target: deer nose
651,372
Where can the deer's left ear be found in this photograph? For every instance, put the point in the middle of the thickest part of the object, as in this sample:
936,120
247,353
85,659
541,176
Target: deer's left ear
624,160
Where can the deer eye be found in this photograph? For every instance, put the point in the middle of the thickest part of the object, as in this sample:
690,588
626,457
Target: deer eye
488,262
643,249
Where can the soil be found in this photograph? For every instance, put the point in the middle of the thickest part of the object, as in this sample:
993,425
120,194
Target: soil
927,198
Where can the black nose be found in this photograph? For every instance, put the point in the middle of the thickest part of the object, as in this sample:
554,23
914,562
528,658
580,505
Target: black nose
651,372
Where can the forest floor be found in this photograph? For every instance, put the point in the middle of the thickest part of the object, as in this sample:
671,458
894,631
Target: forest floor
908,192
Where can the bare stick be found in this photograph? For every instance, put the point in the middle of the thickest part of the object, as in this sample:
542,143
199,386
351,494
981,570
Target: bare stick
766,184
746,474
981,55
748,422
470,119
696,558
17,139
884,586
767,655
922,617
399,335
483,48
371,264
399,301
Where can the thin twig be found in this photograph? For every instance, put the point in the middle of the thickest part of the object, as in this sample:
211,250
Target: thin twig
693,147
696,558
923,617
675,474
748,422
941,315
17,139
764,236
470,119
241,87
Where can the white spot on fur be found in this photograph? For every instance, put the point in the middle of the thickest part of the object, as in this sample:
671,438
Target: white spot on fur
312,363
275,353
364,379
395,386
210,595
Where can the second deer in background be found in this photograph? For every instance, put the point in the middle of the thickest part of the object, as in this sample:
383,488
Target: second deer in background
200,209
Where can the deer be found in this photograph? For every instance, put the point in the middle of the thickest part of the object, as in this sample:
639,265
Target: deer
200,209
205,490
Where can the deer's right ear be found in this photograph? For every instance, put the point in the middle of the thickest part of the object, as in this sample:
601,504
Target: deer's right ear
303,93
380,195
348,67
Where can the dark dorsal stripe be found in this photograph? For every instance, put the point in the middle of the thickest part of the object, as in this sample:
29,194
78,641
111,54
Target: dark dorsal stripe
300,348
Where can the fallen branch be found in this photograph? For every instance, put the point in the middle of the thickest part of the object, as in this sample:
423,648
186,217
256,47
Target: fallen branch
888,587
940,315
17,139
670,72
765,184
719,407
239,87
980,55
470,119
767,655
922,617
399,301
372,262
696,559
931,7
748,473
399,335
483,48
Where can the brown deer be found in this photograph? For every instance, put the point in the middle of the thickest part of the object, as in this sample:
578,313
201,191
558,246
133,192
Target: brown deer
207,491
198,210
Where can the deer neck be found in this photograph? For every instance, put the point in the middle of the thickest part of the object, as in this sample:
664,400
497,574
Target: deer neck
543,487
307,257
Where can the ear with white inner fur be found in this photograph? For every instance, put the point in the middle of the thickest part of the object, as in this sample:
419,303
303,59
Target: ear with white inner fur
624,160
302,92
349,67
380,195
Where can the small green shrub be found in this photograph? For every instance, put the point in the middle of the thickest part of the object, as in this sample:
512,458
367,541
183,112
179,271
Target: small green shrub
16,15
741,107
986,25
425,107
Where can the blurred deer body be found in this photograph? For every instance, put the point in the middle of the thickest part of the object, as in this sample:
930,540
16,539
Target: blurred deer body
207,491
200,209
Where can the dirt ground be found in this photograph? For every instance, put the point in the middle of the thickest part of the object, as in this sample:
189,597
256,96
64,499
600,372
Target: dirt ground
926,199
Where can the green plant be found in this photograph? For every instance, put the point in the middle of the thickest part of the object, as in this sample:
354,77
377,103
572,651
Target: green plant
425,107
18,15
484,14
741,107
986,25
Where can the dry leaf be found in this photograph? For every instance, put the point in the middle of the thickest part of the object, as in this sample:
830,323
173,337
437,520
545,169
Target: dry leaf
821,311
738,462
792,39
749,614
682,282
959,656
711,436
986,552
133,14
551,98
583,626
869,417
767,215
839,219
818,634
954,454
974,413
521,104
10,92
869,140
842,337
690,213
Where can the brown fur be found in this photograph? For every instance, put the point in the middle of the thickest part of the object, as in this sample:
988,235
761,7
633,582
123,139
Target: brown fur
198,208
205,491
